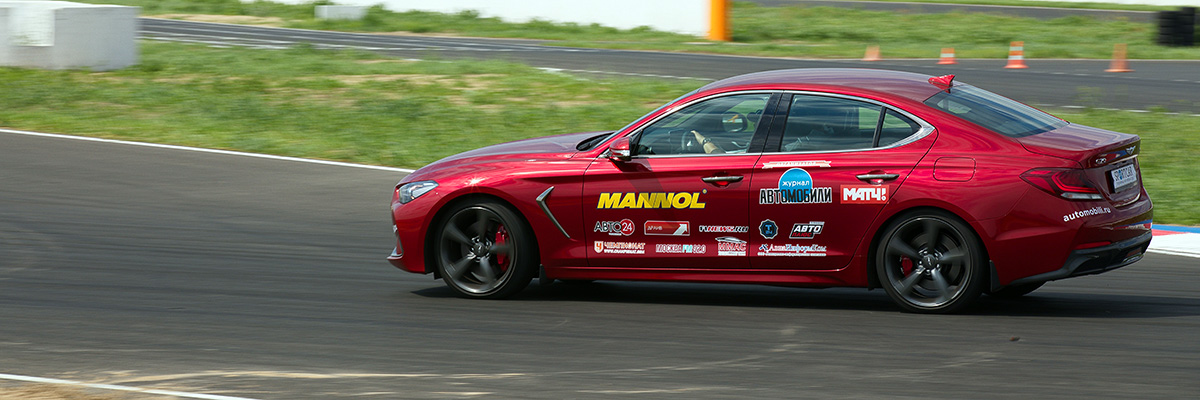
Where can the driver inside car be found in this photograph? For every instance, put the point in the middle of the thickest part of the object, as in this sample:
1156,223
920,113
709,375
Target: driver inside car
707,144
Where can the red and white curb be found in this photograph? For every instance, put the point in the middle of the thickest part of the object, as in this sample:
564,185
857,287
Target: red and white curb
1176,240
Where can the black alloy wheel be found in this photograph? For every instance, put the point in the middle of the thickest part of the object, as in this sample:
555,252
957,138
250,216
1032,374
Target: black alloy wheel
485,250
930,262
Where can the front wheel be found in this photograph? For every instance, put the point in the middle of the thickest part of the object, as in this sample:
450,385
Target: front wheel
485,250
930,262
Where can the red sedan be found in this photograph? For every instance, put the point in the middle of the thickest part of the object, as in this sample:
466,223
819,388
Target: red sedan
935,190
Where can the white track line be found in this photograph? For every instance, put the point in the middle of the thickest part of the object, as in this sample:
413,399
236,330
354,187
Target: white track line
213,151
35,379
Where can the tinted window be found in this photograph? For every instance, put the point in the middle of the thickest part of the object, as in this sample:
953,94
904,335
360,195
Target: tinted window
728,123
817,123
994,112
895,128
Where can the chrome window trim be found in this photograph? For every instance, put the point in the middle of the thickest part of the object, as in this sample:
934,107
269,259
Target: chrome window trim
637,132
925,130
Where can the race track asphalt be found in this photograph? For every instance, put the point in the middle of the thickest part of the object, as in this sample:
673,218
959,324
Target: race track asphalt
1172,85
265,279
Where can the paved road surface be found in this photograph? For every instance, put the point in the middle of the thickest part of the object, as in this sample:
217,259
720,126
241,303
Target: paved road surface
265,279
1077,83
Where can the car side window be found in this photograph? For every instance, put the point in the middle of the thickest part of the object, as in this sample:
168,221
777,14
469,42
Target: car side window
818,123
719,125
895,128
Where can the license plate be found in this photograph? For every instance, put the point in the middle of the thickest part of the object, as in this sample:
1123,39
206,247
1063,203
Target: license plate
1123,177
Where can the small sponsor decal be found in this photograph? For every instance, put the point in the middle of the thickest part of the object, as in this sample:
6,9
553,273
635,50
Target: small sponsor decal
603,247
1086,213
680,248
723,229
731,246
651,200
623,227
807,230
797,164
864,194
791,250
768,229
667,228
795,187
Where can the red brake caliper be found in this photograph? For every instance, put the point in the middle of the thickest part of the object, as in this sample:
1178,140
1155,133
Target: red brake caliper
906,265
502,238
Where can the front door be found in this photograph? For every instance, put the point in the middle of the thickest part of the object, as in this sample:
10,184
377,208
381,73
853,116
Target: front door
681,202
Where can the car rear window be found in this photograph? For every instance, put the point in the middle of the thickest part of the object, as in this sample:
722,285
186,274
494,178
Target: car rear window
993,111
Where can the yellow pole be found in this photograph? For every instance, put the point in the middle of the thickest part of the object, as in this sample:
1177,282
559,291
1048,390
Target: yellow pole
718,25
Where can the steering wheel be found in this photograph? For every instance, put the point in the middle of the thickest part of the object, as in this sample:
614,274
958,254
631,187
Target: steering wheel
686,140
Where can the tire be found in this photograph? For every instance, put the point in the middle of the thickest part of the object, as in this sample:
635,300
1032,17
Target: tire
485,250
1015,291
930,262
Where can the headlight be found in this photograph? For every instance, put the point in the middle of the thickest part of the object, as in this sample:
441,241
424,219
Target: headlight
412,190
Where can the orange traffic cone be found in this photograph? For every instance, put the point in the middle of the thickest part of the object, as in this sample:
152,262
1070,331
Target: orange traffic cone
1016,56
872,54
947,56
1119,62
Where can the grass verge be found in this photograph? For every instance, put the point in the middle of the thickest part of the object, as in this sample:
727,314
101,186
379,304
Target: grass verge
811,32
362,107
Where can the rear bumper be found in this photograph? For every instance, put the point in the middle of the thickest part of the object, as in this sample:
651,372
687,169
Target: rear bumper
1096,260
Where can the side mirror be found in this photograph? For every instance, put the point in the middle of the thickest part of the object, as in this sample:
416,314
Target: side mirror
618,151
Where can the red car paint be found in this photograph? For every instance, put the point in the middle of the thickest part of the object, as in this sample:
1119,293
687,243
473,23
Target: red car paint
957,166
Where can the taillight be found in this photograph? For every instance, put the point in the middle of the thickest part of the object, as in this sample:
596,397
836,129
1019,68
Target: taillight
1070,184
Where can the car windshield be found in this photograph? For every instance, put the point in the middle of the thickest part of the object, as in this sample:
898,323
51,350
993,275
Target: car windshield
995,112
588,144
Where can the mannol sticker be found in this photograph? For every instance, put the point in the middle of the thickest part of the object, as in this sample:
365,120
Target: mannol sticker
651,200
864,194
795,187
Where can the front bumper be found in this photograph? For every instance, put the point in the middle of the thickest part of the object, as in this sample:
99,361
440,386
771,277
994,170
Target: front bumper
1096,260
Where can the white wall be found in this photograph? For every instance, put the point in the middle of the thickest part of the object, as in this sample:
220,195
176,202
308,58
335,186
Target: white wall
682,16
62,35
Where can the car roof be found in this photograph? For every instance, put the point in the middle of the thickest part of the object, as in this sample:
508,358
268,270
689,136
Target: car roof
908,85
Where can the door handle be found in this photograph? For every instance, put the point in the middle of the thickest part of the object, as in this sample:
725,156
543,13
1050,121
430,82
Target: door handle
876,178
722,179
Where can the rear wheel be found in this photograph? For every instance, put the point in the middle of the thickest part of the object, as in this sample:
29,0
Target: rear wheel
485,250
930,262
1015,291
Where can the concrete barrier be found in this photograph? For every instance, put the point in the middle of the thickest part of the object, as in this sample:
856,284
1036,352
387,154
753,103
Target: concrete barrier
681,16
65,35
341,12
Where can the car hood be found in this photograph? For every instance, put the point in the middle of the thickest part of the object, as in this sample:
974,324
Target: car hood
1080,143
542,148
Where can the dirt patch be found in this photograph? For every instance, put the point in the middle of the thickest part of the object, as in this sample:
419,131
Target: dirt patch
225,19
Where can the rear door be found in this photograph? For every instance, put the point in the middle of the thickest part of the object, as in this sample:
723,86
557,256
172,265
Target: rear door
685,188
826,172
